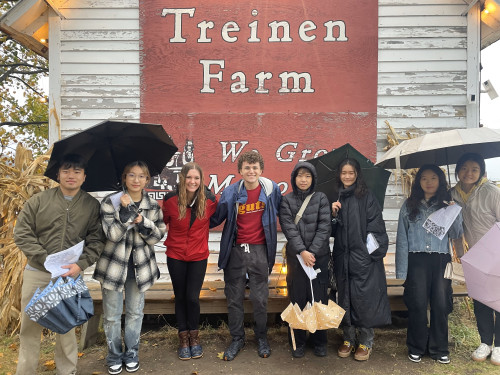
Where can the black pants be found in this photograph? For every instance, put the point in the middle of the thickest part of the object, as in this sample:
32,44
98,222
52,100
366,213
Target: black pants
425,285
254,263
488,323
299,290
187,279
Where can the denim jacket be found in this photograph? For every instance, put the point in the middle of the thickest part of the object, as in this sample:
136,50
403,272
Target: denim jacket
412,237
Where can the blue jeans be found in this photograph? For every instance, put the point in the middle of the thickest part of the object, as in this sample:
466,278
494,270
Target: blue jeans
112,302
365,335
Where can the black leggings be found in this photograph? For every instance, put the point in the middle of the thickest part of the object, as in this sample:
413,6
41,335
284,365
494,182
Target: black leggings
187,279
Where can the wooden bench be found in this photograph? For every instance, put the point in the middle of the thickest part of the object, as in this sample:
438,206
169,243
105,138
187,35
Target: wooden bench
160,299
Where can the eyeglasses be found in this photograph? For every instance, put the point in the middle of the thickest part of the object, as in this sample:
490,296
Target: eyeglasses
133,176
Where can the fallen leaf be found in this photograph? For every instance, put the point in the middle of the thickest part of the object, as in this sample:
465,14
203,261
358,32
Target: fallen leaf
1,355
13,346
80,354
194,373
218,280
213,289
220,355
101,358
155,344
172,297
50,365
96,373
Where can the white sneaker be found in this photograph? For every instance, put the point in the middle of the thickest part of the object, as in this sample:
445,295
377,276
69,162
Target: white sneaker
495,356
482,352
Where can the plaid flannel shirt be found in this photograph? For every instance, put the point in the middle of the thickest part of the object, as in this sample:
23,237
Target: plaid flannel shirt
124,242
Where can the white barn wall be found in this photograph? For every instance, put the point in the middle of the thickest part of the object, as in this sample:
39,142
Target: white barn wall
424,79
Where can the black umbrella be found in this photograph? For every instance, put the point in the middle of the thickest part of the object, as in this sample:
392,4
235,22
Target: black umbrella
109,146
376,178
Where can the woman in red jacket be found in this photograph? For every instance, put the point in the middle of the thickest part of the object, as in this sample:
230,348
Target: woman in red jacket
187,213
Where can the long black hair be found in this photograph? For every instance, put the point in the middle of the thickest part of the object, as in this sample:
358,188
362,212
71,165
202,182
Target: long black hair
361,189
417,193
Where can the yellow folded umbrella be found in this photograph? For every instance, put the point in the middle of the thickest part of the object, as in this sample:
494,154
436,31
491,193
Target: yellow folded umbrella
318,316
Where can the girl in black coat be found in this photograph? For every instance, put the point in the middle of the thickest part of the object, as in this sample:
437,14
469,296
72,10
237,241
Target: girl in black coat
309,238
361,283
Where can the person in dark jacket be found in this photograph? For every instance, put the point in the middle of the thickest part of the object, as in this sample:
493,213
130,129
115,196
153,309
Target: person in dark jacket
248,247
187,213
50,222
360,273
309,238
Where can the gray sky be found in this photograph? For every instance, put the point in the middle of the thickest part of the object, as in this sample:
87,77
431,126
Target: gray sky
490,109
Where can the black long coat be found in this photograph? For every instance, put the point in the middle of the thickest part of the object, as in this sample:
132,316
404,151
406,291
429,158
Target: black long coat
361,282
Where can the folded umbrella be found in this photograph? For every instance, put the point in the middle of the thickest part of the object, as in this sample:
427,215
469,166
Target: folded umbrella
376,178
62,305
313,317
109,146
481,265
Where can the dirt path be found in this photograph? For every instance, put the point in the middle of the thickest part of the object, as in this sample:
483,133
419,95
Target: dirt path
157,355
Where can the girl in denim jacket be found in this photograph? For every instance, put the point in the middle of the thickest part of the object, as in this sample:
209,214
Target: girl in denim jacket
421,259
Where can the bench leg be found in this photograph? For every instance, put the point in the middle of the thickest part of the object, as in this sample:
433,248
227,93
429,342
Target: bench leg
88,336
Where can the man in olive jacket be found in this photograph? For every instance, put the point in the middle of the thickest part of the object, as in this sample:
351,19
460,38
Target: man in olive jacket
50,222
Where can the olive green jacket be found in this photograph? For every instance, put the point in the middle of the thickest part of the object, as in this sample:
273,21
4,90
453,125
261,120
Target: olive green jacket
48,224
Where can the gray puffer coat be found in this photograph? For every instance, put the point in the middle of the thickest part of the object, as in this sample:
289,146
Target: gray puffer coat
312,233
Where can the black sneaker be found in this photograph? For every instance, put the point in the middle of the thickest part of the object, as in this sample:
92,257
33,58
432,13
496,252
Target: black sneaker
234,348
115,369
320,350
444,359
132,366
263,347
299,352
414,357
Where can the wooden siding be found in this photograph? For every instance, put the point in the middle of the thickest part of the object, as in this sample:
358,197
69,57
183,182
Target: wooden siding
423,75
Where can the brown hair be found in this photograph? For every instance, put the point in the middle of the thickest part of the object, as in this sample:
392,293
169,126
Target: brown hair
139,164
200,193
251,157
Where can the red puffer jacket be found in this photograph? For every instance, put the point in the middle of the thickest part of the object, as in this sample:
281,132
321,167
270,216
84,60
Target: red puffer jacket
187,239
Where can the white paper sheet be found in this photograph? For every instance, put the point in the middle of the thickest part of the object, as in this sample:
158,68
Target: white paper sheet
439,222
53,262
371,243
310,272
115,201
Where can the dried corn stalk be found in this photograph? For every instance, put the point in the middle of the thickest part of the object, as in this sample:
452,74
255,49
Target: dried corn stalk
406,176
17,185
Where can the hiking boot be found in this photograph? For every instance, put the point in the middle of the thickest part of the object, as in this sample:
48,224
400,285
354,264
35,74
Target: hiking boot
481,353
132,366
444,359
320,350
232,351
184,351
362,353
345,349
299,352
115,369
495,355
194,344
263,347
414,357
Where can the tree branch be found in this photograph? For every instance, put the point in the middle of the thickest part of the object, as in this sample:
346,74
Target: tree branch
27,85
12,123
